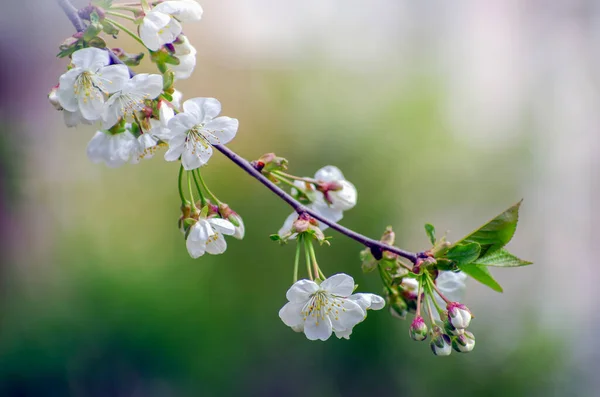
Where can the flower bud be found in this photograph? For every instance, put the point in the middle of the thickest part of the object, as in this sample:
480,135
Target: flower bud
464,343
451,330
441,344
418,329
410,287
53,98
458,315
398,307
270,162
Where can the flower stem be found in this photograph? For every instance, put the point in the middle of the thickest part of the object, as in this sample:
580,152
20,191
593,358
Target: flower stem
189,183
307,256
126,30
432,283
429,310
419,297
120,15
202,199
203,183
184,201
297,178
431,295
297,259
124,7
313,258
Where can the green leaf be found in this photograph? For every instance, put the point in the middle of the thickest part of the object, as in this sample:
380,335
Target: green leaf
496,233
501,258
430,230
464,253
481,274
446,264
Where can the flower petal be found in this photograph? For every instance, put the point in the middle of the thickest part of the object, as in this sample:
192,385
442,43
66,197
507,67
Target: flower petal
216,245
112,78
148,85
66,90
291,314
174,152
191,160
90,58
222,226
301,291
91,105
149,29
329,173
221,130
184,10
347,316
317,328
181,123
339,284
195,248
368,301
202,109
287,225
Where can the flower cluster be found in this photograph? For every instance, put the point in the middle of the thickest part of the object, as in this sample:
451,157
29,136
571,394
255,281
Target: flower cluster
143,113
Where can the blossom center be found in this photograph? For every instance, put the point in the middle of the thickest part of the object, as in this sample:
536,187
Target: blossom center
321,305
85,85
130,102
196,138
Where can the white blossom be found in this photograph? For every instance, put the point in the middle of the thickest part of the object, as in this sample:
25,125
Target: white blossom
331,207
206,235
186,54
113,149
459,315
131,98
343,198
83,89
320,310
193,132
161,25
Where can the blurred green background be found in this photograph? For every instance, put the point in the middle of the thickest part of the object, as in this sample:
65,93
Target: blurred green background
437,113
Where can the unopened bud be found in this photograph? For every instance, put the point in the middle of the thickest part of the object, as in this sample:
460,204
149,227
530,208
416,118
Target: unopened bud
53,98
441,344
464,343
410,288
238,222
418,329
270,162
451,329
398,307
127,58
458,315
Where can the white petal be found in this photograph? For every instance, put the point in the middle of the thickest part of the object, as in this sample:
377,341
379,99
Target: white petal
301,291
329,173
452,284
149,85
343,334
291,314
150,29
112,78
344,199
182,122
90,58
177,97
222,226
66,91
111,112
91,105
317,328
184,10
339,284
221,130
347,316
187,64
190,160
368,301
331,214
216,245
287,225
174,152
95,147
165,113
195,248
202,109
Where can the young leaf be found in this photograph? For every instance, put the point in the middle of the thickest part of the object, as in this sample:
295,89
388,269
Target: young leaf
501,258
496,233
481,274
430,230
464,253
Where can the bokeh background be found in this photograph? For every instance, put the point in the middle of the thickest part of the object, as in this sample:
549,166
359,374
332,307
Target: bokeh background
441,112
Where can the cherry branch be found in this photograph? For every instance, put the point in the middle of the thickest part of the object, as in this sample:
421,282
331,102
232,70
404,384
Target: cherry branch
377,247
